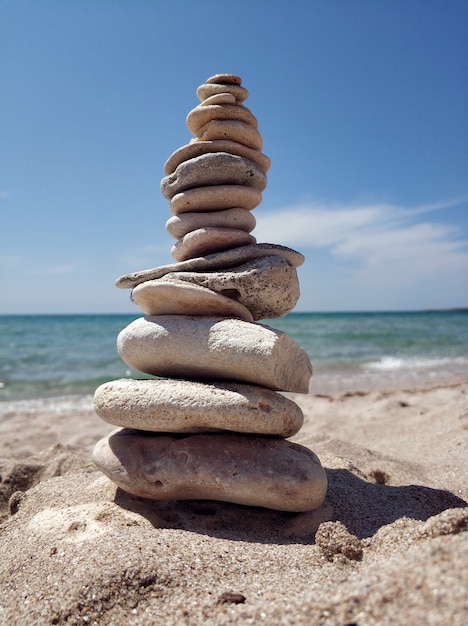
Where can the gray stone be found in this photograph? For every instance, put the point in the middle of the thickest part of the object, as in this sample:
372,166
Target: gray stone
202,114
207,90
214,348
177,297
196,148
179,225
233,131
217,261
208,241
220,98
214,198
219,168
268,287
224,79
182,406
249,470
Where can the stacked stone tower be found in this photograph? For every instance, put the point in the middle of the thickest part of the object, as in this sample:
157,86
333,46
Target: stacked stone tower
212,425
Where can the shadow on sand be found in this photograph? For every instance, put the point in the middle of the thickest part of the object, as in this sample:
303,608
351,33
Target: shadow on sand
362,506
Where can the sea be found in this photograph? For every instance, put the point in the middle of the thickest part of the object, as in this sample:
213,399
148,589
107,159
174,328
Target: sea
59,360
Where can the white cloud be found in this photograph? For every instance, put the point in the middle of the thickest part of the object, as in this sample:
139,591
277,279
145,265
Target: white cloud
378,247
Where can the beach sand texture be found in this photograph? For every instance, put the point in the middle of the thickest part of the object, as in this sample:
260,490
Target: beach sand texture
388,546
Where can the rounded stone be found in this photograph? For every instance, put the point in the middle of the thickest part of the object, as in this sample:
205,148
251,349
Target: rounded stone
218,261
210,89
182,406
219,98
268,287
209,240
177,297
233,131
196,148
214,348
219,168
201,115
224,79
214,198
179,225
249,470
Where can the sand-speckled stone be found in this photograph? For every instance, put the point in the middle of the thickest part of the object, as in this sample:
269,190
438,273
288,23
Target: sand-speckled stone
197,148
178,297
179,225
201,115
182,406
219,168
218,261
209,240
219,98
213,348
205,91
268,287
214,198
224,79
233,131
249,470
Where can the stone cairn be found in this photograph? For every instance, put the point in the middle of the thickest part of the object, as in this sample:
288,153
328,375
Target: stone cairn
212,426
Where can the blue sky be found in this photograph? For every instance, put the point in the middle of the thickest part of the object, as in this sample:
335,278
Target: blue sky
362,108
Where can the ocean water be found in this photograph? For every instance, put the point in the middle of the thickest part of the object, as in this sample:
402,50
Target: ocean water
68,356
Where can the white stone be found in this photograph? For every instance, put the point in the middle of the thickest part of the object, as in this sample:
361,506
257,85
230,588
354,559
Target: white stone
213,348
209,240
177,297
179,225
182,406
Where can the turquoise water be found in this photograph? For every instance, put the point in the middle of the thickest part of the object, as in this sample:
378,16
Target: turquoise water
61,355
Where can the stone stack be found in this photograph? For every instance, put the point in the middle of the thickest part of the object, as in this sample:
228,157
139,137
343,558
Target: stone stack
212,425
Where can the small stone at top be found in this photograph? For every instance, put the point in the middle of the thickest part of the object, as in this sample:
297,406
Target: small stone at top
224,79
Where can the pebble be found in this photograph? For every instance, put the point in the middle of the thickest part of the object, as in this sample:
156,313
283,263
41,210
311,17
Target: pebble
197,148
268,287
184,406
210,89
249,470
219,168
215,348
176,297
202,114
224,79
218,261
201,199
179,225
233,131
208,240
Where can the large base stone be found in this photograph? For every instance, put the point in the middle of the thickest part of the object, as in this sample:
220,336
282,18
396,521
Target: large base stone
255,471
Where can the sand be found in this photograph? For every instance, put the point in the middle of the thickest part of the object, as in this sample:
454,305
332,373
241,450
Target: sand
389,545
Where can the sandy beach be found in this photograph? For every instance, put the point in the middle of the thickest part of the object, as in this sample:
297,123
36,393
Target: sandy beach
389,545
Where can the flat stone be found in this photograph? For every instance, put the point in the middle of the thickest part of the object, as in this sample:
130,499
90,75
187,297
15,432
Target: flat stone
178,297
201,115
219,168
219,98
217,261
249,470
182,406
196,148
179,225
224,79
209,240
210,89
268,287
233,131
215,198
214,348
